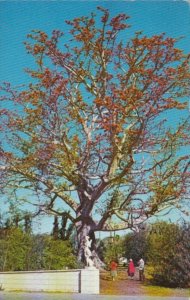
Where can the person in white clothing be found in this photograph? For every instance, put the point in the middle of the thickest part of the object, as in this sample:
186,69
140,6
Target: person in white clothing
141,269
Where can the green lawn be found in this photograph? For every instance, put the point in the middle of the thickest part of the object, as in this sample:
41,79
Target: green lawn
163,291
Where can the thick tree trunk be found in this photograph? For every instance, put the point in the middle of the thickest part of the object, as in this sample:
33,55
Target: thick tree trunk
84,230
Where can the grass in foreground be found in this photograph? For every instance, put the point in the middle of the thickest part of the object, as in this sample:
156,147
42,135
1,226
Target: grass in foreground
165,292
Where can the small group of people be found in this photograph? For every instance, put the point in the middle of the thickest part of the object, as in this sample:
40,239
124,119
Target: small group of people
130,269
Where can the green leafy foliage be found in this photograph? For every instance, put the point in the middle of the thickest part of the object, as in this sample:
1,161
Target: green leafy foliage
162,241
169,253
112,249
136,245
14,250
22,251
58,255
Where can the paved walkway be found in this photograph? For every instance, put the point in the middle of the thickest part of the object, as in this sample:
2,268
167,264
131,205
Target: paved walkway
60,296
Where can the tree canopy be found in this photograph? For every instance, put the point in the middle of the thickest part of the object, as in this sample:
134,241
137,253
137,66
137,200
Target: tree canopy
90,136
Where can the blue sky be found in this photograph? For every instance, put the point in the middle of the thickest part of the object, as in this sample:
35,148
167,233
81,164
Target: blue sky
18,18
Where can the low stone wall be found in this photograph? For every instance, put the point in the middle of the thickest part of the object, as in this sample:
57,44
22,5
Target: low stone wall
69,281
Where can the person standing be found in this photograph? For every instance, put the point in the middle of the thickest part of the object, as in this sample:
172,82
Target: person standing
141,269
131,269
113,268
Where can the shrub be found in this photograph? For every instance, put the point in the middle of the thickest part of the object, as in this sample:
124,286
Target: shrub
14,249
169,254
58,255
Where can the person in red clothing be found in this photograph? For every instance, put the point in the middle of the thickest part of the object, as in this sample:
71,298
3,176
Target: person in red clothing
131,269
113,268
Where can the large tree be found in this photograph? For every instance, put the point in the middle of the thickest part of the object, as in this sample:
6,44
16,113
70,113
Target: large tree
90,136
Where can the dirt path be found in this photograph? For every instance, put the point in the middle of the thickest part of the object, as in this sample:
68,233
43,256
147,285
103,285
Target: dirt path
121,286
125,286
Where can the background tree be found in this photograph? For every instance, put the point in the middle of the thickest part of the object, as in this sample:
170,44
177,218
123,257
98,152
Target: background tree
25,251
136,246
27,224
180,266
58,255
111,248
55,232
14,249
162,242
66,229
90,130
35,253
168,253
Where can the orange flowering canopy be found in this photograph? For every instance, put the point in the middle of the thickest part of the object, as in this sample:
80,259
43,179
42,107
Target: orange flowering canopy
93,128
